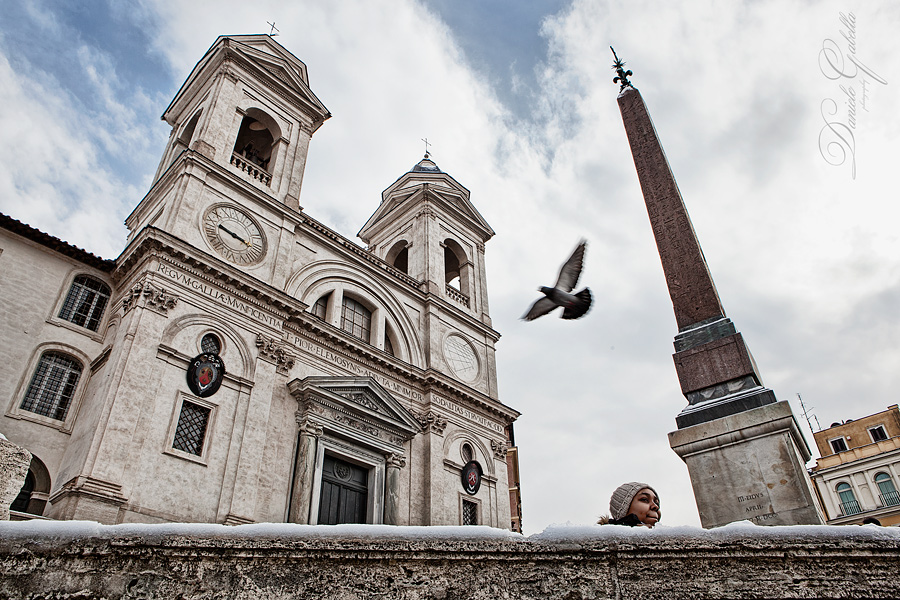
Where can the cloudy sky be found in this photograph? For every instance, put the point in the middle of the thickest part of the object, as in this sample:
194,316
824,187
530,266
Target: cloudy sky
799,227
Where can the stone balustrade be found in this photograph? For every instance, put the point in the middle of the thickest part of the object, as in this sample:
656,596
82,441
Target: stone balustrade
49,559
457,296
251,169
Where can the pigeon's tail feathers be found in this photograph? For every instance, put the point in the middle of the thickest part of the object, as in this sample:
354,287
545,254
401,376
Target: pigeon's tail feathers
581,307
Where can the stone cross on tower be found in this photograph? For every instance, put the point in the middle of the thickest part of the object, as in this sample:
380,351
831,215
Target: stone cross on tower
743,448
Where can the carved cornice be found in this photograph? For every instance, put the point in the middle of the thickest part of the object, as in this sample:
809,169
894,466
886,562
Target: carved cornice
154,297
360,252
274,351
432,422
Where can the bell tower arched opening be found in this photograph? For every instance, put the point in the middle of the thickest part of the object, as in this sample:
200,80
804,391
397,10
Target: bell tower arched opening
187,134
457,267
255,143
398,256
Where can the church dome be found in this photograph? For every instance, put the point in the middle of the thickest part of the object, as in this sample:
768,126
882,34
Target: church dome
426,165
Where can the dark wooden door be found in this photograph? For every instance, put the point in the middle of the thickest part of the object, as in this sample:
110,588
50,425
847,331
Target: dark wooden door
345,492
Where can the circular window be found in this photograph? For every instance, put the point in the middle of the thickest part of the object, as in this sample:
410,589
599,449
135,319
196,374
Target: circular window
210,344
461,357
467,453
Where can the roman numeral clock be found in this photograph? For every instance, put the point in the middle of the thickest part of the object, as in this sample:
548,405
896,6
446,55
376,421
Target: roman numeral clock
234,234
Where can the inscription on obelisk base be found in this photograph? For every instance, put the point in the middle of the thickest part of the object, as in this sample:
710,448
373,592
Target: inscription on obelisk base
744,451
749,466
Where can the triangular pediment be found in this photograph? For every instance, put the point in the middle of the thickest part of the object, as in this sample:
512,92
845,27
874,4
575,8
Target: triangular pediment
358,398
255,52
439,189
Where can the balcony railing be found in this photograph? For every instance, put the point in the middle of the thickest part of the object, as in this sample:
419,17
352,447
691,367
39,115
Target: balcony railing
457,295
890,498
850,508
250,168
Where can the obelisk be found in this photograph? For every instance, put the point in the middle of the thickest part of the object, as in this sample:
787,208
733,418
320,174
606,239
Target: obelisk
744,451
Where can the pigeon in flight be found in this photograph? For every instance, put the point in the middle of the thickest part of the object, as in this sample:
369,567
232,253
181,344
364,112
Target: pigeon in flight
574,305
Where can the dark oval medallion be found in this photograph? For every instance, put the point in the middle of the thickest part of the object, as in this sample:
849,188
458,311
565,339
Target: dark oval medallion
471,477
205,374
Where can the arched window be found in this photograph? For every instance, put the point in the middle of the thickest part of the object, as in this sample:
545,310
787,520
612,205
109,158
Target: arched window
451,266
849,505
398,256
356,319
53,386
889,495
187,134
320,308
85,302
255,141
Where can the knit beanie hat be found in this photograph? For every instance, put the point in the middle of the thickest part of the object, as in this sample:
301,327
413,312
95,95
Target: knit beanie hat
622,497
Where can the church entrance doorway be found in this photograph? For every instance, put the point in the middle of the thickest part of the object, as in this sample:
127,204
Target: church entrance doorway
344,494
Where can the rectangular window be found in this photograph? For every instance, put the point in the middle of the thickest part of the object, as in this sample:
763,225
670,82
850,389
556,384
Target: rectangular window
191,430
470,513
838,445
878,434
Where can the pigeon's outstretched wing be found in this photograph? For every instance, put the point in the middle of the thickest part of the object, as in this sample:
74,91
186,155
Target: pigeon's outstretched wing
540,308
571,270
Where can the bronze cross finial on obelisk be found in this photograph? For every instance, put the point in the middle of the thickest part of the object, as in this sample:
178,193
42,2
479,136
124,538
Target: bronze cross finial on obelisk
738,441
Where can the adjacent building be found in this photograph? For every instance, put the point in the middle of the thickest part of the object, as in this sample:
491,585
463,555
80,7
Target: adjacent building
857,476
241,362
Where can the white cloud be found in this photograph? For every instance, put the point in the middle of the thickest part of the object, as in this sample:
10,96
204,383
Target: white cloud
806,259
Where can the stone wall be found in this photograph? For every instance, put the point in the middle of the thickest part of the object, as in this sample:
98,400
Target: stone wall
14,462
41,559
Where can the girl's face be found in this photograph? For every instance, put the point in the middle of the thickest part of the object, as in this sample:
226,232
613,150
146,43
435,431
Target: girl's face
645,507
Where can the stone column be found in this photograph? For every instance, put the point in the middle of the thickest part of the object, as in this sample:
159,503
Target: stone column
393,462
14,463
304,471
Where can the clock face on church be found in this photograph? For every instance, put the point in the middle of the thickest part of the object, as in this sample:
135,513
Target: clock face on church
234,234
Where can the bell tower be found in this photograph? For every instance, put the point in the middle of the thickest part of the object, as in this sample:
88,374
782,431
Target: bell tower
230,177
427,227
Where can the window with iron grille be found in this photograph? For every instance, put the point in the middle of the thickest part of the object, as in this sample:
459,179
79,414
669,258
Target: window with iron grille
191,429
470,513
356,319
53,386
85,302
210,344
320,308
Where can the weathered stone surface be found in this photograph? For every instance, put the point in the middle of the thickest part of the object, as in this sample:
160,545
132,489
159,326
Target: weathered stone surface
749,465
690,284
14,461
86,560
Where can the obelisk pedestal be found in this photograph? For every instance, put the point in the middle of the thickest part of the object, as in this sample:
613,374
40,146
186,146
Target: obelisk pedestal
743,448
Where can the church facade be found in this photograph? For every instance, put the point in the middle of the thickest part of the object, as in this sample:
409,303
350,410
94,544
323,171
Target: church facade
240,361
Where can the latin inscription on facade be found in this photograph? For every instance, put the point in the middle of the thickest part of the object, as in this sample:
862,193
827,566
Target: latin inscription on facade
360,370
466,413
218,295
